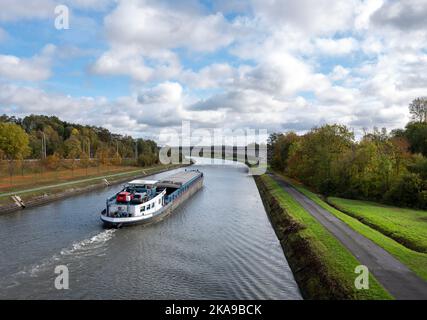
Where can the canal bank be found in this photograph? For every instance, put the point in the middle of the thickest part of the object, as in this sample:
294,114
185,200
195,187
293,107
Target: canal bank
322,267
66,190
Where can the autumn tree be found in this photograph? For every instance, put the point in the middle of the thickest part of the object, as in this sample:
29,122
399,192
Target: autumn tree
53,161
73,150
103,155
85,160
381,166
13,143
117,160
94,140
314,159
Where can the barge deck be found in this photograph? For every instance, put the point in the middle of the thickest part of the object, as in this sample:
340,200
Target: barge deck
144,201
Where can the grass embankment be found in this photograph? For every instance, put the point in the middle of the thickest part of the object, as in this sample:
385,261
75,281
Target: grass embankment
416,261
31,191
406,226
322,266
48,177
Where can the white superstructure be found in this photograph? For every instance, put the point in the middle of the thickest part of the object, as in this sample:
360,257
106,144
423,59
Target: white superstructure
142,200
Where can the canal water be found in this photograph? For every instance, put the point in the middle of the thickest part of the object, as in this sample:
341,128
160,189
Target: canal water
217,245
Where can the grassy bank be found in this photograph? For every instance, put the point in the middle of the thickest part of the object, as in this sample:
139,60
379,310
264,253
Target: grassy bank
322,266
416,261
49,177
45,193
406,226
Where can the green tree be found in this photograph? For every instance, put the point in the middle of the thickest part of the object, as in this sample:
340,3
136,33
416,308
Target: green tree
281,145
13,143
406,191
73,150
419,166
416,133
314,159
418,109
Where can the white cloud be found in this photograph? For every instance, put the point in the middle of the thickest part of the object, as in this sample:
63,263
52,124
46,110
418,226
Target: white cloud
25,100
161,105
13,10
333,47
339,73
123,62
116,115
313,17
90,4
396,78
16,10
284,53
142,35
212,76
364,13
295,64
281,74
131,62
36,68
372,45
151,27
402,15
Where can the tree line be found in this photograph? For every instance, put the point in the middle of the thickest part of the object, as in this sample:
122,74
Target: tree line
49,138
389,167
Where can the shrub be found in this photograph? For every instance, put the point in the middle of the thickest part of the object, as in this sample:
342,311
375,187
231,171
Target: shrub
52,162
405,191
117,160
422,199
327,187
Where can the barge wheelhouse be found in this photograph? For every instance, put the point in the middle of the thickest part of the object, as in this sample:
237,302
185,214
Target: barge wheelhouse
143,201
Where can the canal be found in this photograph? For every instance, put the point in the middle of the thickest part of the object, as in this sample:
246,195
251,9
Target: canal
217,245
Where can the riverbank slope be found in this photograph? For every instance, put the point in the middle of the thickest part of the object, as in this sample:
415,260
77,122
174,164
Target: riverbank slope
322,266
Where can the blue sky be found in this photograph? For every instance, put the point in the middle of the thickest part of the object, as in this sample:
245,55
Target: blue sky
140,66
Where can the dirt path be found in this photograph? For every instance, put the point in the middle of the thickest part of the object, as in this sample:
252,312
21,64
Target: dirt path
394,276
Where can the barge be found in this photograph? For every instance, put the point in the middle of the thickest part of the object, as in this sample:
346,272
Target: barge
146,201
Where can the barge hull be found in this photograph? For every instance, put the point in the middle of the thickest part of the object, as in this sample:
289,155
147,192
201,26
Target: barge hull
165,212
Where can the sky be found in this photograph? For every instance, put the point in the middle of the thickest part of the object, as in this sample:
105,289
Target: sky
139,66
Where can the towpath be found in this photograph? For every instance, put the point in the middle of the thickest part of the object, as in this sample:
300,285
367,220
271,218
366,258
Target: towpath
393,275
